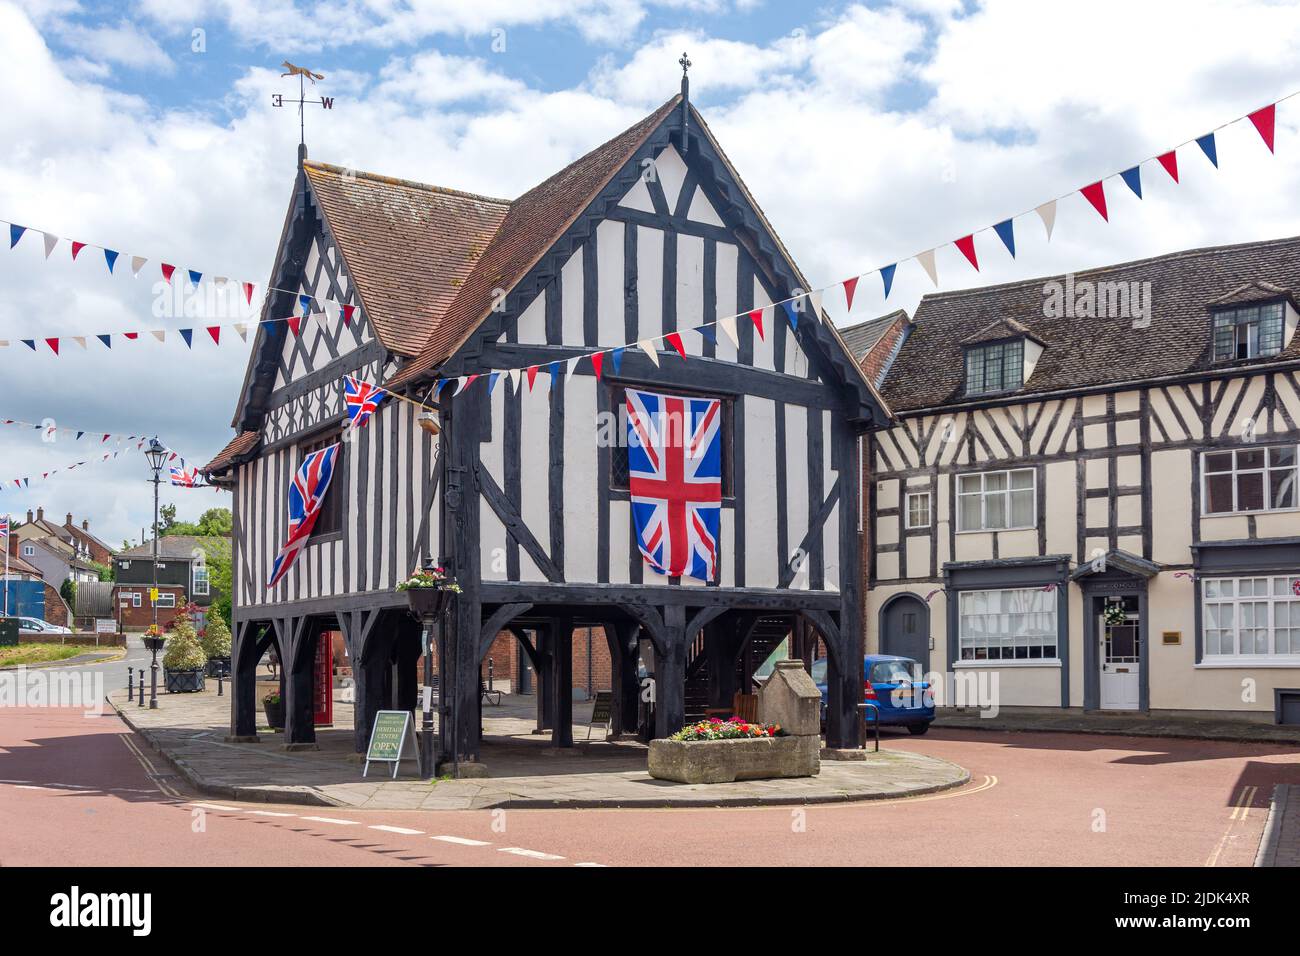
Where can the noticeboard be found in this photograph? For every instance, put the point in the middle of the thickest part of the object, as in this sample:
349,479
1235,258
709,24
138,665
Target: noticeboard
389,739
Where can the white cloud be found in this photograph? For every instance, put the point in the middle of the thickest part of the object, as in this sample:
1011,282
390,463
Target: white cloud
121,45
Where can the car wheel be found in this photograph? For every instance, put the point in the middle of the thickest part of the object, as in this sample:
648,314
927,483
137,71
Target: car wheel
917,730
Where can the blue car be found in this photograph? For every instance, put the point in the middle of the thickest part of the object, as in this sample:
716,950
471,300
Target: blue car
895,684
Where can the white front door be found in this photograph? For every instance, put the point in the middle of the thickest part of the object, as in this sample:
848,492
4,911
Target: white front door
1121,666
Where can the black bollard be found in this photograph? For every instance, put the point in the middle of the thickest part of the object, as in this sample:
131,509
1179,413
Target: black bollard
130,685
221,686
142,687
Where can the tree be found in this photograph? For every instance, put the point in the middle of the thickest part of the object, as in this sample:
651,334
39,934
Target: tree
216,522
68,591
167,518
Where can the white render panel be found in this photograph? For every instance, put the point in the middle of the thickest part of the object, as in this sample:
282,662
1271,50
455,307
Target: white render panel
796,489
580,478
763,354
534,461
761,559
649,281
727,258
571,300
609,288
531,327
690,292
671,171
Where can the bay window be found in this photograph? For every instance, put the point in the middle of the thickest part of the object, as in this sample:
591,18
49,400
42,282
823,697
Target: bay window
1251,619
1012,624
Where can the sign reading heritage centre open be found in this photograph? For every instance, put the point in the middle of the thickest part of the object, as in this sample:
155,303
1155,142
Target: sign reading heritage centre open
389,739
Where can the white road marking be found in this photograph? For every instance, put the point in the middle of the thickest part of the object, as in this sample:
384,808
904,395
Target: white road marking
15,781
462,841
531,854
589,864
270,813
342,823
28,786
402,830
213,806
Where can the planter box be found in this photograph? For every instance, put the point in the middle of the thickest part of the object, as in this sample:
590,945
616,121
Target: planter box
218,666
183,682
274,715
723,761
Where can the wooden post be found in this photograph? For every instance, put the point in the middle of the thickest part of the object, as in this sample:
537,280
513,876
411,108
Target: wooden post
670,674
299,727
562,682
243,682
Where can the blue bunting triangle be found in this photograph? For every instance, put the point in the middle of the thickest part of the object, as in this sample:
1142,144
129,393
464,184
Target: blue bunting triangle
887,274
79,434
1206,143
30,343
106,339
195,278
1006,232
1134,179
791,315
15,233
617,357
305,302
492,381
188,336
111,258
708,332
554,369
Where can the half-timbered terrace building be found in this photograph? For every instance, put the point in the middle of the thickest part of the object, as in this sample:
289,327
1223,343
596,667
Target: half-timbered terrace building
1091,488
517,494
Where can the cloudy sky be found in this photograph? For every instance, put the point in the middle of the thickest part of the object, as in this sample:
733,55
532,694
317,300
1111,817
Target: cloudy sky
867,131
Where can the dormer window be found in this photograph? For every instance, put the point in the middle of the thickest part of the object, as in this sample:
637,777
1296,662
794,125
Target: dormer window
995,367
1247,332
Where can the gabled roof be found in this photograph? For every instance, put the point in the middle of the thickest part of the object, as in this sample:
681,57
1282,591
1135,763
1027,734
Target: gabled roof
1254,291
1000,329
409,247
19,566
242,444
1093,352
535,221
861,338
176,547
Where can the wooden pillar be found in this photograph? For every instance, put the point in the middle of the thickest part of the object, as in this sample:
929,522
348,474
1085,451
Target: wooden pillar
670,674
626,687
545,679
243,681
562,681
300,668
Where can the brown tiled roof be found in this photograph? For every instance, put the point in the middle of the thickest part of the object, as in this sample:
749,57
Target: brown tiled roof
241,444
861,338
533,224
1086,352
408,247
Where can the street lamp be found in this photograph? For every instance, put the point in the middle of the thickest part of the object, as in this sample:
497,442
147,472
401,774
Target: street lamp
429,605
156,455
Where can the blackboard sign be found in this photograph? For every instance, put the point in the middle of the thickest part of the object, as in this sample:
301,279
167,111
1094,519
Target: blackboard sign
389,739
602,711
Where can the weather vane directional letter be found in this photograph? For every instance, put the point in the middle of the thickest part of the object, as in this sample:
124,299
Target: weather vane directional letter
303,74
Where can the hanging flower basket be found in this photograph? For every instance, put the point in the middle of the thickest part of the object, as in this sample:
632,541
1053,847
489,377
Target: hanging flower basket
428,590
1115,614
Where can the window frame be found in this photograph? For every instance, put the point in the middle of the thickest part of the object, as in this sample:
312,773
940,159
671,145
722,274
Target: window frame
1272,599
137,599
1016,660
907,509
166,596
29,551
330,522
207,581
1000,346
616,391
984,493
1265,470
1258,308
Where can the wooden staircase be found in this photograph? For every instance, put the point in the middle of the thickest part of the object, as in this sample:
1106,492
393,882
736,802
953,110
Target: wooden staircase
763,640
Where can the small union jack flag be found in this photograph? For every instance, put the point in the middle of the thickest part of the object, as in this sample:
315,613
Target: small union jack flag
362,400
4,527
186,477
306,496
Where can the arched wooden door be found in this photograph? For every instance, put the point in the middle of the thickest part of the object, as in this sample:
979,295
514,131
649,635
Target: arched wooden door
905,629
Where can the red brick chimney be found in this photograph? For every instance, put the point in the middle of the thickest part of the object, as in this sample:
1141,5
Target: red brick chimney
68,523
85,524
40,514
29,515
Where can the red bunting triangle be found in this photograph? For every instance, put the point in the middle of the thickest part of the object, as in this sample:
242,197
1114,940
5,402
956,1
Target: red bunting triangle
967,246
850,286
347,314
295,322
597,358
215,332
675,340
1096,194
167,272
53,344
248,292
1169,161
131,335
757,316
77,247
532,375
1263,120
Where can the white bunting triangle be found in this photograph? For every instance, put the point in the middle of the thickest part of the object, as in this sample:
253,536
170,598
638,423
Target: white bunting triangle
1047,212
242,329
728,325
815,298
571,367
80,340
332,310
137,263
647,346
460,384
927,263
159,334
50,243
514,375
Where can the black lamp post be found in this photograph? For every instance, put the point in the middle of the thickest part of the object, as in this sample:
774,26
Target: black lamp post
156,455
429,605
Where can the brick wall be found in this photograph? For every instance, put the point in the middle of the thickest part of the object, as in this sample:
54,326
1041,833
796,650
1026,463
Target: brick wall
505,654
139,618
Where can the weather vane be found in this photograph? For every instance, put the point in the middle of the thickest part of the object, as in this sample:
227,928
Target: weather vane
685,63
326,102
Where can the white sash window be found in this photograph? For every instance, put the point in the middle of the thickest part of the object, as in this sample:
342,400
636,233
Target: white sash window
1251,620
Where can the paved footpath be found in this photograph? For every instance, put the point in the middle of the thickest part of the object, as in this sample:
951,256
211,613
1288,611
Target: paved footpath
189,731
83,791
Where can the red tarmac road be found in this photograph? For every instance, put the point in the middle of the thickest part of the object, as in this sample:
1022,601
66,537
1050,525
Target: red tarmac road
80,791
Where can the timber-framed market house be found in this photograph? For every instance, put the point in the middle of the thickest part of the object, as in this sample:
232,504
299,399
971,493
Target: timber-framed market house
649,234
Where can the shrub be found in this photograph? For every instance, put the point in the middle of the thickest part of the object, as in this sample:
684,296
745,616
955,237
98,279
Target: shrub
733,729
215,638
183,652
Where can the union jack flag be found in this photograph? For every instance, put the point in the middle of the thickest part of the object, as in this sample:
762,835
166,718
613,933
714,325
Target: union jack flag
306,495
674,453
186,477
362,400
4,527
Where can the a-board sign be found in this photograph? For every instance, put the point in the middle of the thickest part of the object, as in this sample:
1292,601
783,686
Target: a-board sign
603,708
390,738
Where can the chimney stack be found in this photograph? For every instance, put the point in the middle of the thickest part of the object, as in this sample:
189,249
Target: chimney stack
29,515
68,523
85,524
40,514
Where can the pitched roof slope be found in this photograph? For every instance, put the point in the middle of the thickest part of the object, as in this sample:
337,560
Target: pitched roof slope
861,338
241,444
533,224
409,247
1083,352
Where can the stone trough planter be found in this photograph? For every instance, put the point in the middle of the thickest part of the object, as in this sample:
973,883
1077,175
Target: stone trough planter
725,761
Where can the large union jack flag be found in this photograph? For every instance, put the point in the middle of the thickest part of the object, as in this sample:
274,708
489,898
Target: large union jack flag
306,495
362,400
674,454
